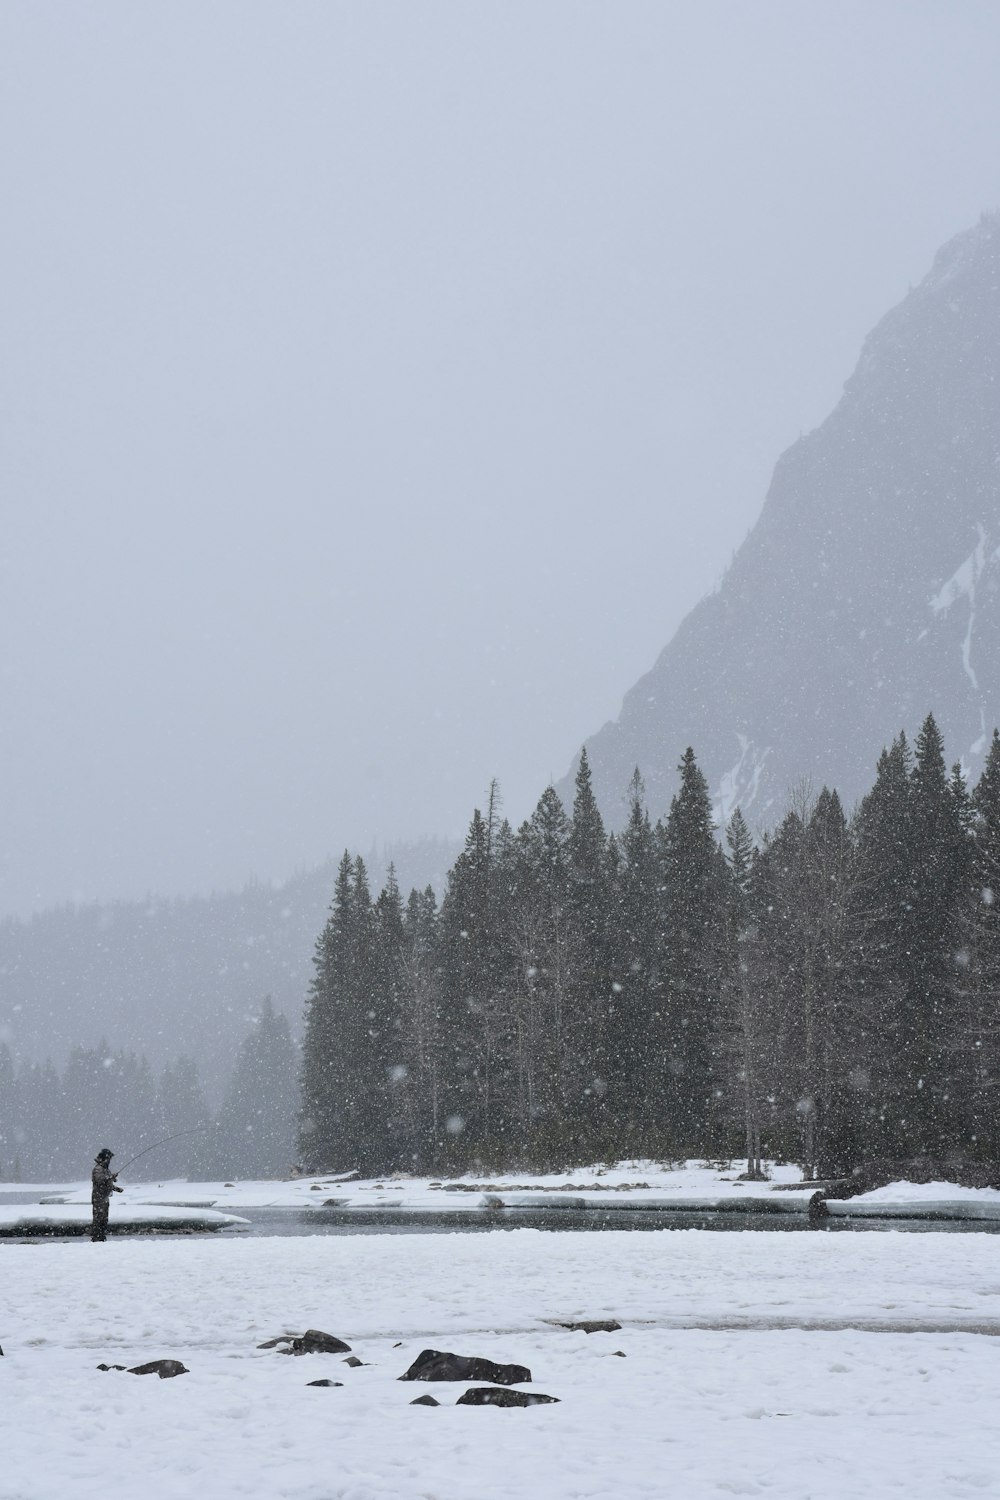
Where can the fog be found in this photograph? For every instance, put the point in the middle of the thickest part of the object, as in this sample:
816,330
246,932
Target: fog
383,383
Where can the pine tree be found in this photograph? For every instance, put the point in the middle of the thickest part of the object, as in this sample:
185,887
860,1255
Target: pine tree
827,880
8,1149
692,889
254,1133
181,1111
636,1009
778,915
39,1127
545,949
389,1063
475,993
591,882
421,1091
586,850
979,967
327,1136
879,968
939,858
743,1004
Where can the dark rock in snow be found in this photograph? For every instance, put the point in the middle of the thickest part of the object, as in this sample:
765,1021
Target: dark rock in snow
435,1364
325,1382
165,1368
425,1401
354,1362
313,1341
112,1367
593,1325
498,1395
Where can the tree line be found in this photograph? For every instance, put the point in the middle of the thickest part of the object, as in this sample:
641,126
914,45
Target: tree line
52,1123
828,995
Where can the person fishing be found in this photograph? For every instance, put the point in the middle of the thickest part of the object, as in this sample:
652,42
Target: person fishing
104,1182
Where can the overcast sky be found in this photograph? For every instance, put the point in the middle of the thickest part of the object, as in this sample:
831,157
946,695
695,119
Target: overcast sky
381,384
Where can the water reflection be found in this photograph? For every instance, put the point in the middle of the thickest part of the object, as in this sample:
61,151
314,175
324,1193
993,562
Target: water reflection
265,1221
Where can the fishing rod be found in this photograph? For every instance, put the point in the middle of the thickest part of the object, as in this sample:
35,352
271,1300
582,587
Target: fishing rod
164,1142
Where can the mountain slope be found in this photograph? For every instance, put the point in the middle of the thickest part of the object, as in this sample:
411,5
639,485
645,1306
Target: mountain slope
869,590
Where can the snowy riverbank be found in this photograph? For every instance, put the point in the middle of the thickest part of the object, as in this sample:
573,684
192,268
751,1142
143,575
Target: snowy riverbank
751,1367
633,1185
126,1218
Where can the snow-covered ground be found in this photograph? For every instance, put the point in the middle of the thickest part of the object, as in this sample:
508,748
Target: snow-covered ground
753,1406
76,1218
638,1180
635,1184
927,1200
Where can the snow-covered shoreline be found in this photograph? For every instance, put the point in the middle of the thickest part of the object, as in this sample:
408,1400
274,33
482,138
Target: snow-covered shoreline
635,1185
19,1220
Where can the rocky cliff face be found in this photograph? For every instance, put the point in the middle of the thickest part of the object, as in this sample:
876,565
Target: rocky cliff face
869,590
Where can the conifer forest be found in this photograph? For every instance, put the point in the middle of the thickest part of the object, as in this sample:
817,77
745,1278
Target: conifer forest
827,995
826,992
51,1120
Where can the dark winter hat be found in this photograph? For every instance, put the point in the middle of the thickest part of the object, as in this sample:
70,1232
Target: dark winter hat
105,1154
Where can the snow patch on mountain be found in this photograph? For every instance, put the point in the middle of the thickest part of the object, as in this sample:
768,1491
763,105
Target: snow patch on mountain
962,584
740,785
964,579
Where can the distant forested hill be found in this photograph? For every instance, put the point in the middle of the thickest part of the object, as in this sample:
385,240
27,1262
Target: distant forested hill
164,978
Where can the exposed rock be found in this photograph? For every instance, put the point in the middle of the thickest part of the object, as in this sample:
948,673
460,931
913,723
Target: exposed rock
425,1401
354,1362
593,1325
313,1341
112,1367
325,1382
498,1395
619,1354
165,1368
435,1364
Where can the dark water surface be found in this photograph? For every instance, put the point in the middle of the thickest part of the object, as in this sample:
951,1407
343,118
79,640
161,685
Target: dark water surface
296,1223
272,1221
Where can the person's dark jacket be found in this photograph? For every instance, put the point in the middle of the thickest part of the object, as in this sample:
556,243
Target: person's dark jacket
103,1183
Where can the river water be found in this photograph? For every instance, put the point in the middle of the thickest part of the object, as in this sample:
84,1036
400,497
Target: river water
295,1223
264,1221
